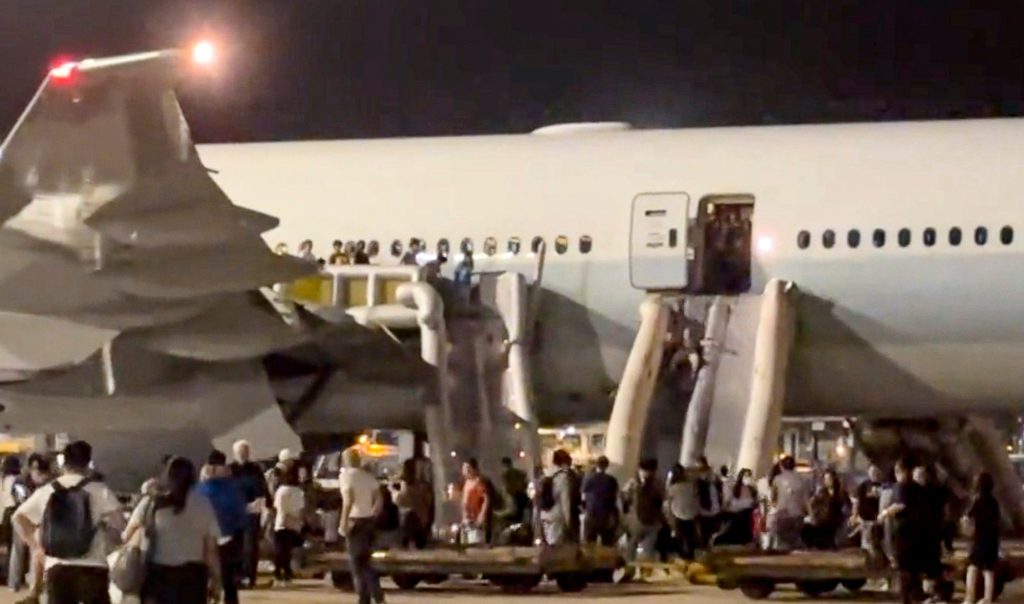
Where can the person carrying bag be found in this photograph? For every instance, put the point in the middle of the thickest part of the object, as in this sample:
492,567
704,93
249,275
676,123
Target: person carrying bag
128,571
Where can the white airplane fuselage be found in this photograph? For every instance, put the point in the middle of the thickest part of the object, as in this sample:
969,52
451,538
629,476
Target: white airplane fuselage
883,330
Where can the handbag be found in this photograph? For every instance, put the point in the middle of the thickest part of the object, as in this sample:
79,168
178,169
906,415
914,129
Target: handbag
128,572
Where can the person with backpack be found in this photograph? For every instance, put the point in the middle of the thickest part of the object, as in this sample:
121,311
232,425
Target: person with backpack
225,494
66,523
183,565
560,501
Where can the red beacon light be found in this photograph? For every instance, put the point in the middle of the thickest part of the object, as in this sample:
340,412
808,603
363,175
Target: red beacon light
64,71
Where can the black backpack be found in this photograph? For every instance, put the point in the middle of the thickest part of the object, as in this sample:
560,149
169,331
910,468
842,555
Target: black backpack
68,528
547,490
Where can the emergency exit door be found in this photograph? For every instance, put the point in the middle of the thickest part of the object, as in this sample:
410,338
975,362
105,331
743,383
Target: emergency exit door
657,241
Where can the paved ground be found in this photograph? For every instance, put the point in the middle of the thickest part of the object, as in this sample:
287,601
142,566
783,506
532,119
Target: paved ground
663,592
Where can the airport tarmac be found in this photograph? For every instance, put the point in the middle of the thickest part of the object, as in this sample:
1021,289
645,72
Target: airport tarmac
466,592
662,592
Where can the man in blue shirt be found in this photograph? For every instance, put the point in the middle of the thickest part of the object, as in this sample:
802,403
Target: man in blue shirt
225,494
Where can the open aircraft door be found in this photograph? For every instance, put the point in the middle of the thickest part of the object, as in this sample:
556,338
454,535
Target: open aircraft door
657,241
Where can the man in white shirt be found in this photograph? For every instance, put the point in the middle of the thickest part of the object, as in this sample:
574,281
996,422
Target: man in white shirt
80,579
361,502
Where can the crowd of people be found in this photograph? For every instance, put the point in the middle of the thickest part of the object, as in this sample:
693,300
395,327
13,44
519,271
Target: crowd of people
203,528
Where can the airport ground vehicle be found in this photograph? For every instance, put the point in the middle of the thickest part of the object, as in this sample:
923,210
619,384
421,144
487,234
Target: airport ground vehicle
514,569
815,573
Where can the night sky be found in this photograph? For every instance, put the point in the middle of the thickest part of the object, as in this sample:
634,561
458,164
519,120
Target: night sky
370,68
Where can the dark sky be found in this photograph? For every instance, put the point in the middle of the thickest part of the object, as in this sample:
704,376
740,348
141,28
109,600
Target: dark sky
370,68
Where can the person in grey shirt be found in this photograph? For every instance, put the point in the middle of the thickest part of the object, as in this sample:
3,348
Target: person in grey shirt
561,513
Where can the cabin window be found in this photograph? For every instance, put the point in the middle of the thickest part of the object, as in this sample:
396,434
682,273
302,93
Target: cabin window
929,237
350,248
878,237
561,244
490,246
853,238
1006,235
981,235
828,239
373,248
466,247
586,244
903,237
955,236
536,244
514,245
803,240
396,248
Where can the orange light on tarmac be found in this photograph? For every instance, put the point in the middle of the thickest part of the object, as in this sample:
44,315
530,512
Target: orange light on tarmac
203,53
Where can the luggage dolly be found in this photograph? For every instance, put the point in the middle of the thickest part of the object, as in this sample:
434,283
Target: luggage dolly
514,569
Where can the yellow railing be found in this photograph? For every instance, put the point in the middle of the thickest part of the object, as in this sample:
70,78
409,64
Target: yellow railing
352,286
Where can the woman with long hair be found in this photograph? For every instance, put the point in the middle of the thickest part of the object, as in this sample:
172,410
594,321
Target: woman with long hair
184,566
740,502
826,513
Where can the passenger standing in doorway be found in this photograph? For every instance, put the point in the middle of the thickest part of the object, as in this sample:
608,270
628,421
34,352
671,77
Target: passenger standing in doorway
76,566
790,493
601,503
184,567
560,507
464,277
644,500
225,495
361,503
360,256
866,506
338,256
907,509
254,488
984,558
306,251
477,504
685,509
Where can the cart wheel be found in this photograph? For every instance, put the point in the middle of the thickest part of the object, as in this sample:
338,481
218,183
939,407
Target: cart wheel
817,588
571,582
405,581
516,584
757,589
726,584
434,579
341,580
853,585
604,575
